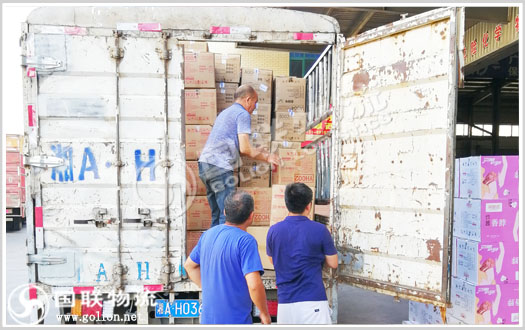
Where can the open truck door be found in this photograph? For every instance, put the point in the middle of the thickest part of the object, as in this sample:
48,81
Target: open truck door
394,150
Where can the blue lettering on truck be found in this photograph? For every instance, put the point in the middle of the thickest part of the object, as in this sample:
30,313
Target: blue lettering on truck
88,154
140,165
66,153
101,272
140,270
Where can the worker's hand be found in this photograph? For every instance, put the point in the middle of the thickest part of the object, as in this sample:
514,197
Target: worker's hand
274,159
265,318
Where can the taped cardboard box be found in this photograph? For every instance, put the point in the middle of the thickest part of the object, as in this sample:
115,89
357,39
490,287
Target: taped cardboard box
200,106
261,140
199,70
290,92
261,81
194,46
260,233
276,145
198,214
262,198
225,95
194,184
228,68
299,165
192,238
196,137
262,118
279,210
290,126
254,173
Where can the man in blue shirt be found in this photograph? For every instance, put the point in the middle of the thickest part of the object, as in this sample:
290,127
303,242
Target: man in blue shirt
229,136
225,263
298,248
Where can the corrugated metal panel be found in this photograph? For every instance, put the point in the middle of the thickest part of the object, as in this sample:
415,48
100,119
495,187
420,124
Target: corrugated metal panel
483,39
396,121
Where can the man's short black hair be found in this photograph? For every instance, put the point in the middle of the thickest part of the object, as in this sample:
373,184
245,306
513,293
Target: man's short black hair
297,196
238,206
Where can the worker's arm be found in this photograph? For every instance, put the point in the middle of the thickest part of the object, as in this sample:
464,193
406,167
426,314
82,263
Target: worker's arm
258,295
331,261
246,149
194,271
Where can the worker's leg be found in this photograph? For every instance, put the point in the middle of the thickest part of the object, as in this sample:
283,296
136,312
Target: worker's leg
219,183
204,174
225,184
304,312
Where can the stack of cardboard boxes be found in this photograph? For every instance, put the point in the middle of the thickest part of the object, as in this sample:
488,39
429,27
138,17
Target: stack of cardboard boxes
485,245
200,110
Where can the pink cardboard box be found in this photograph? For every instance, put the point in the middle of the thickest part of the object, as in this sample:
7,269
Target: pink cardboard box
486,220
484,304
489,177
485,263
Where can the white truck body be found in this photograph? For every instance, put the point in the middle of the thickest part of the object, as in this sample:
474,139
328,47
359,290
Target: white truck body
105,148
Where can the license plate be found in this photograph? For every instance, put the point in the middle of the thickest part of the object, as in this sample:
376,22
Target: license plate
177,308
8,211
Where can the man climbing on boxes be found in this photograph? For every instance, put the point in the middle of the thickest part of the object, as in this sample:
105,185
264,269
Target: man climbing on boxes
229,137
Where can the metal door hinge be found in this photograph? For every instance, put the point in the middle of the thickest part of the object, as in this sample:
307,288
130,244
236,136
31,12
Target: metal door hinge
45,259
44,161
164,54
116,52
166,163
41,63
120,269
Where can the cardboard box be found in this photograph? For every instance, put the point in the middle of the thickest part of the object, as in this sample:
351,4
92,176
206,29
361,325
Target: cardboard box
489,177
420,313
299,165
225,95
198,213
276,145
263,205
228,68
261,81
485,263
290,126
279,210
290,92
194,184
261,140
200,106
484,304
199,70
486,220
196,137
260,234
285,108
254,173
192,238
456,178
194,46
262,118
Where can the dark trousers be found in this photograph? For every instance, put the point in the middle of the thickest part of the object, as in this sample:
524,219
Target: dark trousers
219,183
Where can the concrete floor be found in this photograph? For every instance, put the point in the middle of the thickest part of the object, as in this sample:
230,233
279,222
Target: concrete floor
356,306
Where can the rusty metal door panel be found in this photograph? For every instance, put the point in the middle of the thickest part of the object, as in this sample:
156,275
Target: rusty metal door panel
395,140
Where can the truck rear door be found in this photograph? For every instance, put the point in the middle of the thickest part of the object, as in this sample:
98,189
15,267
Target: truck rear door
394,155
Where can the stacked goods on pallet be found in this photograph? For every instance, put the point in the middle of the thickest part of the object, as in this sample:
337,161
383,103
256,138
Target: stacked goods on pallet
485,250
227,77
200,111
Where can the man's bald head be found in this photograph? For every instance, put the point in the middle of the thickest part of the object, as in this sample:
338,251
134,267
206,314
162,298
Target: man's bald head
244,91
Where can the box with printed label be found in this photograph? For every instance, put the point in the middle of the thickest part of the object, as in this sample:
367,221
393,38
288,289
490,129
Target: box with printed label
485,263
194,185
200,106
194,46
198,213
228,68
489,177
276,145
290,126
279,210
225,95
298,165
199,70
254,173
192,238
196,137
261,140
262,118
260,234
421,313
261,81
290,92
262,198
484,304
456,177
486,220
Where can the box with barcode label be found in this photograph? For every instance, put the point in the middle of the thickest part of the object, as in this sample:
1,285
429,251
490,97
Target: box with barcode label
228,68
261,81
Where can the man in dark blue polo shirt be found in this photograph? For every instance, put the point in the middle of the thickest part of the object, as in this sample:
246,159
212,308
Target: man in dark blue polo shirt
298,248
227,266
